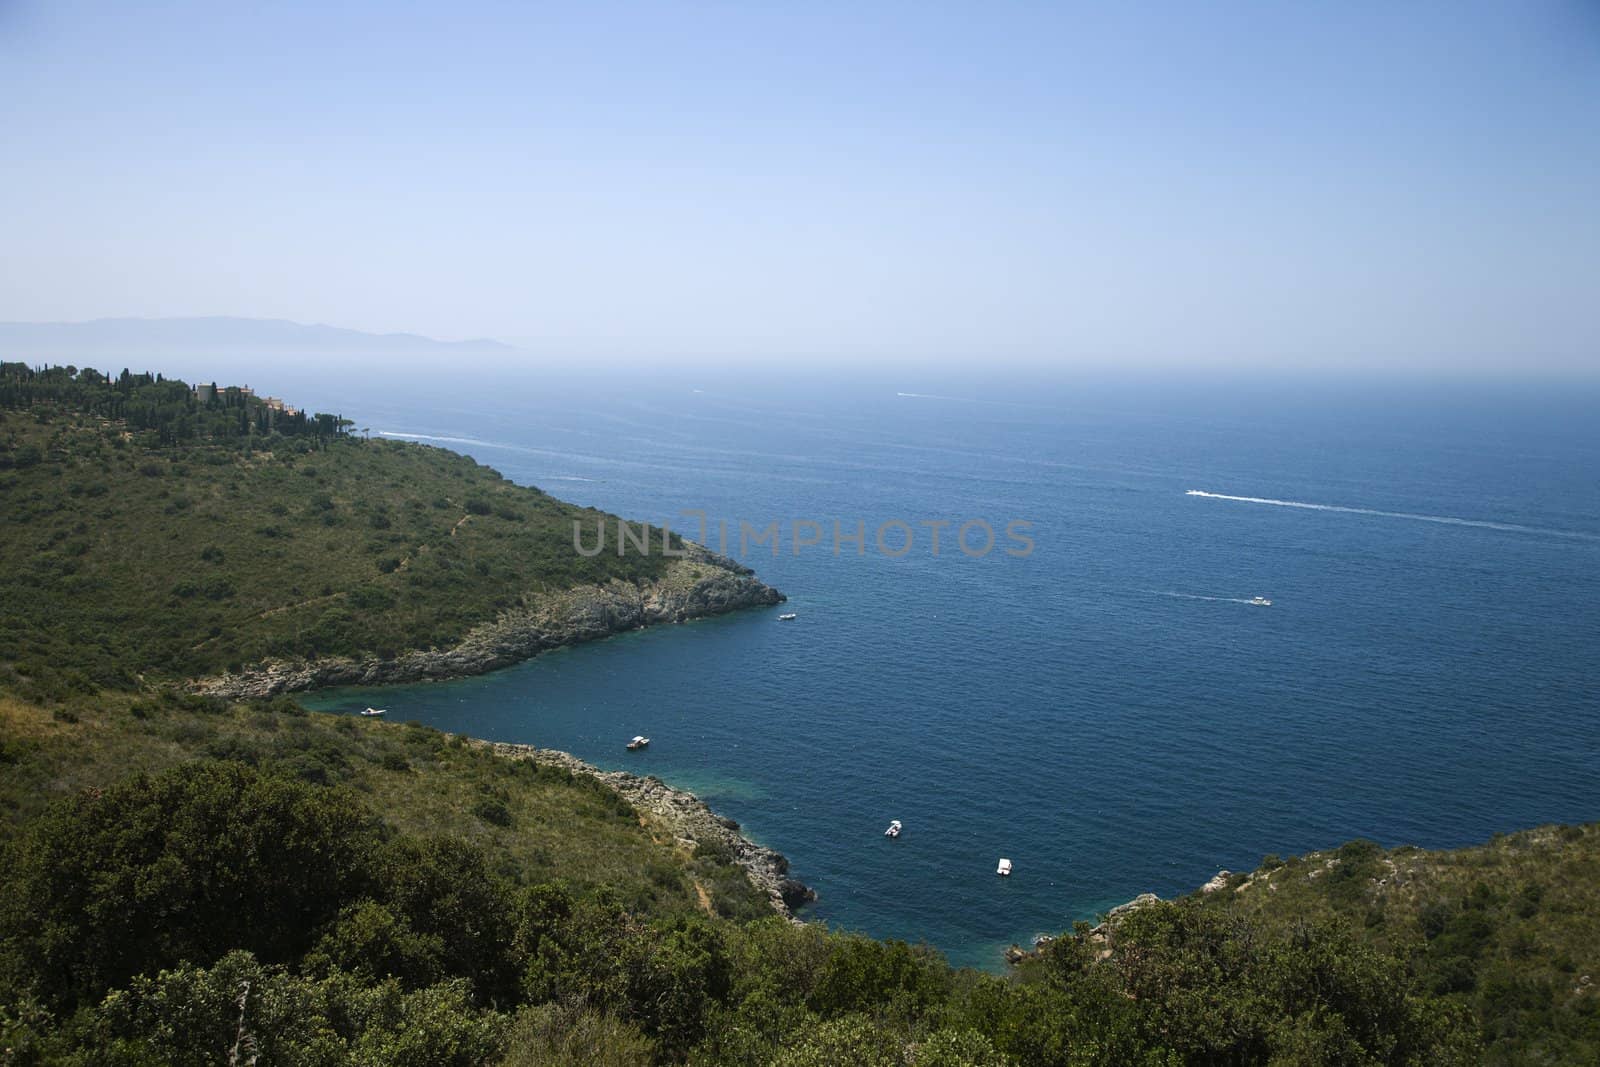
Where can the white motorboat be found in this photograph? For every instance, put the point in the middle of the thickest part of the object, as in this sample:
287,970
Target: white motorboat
1004,869
894,829
375,711
638,742
786,617
1261,602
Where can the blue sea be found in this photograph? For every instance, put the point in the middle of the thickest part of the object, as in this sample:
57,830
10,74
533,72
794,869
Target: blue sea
1109,710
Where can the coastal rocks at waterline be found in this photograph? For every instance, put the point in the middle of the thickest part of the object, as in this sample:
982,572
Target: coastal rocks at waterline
698,585
687,818
1100,935
1118,913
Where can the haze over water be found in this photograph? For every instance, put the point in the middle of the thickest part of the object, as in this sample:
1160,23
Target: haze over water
1109,712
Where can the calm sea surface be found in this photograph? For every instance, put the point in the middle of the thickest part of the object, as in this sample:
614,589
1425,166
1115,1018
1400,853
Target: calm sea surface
1109,712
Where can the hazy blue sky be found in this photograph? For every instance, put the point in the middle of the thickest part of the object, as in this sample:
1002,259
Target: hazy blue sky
1402,185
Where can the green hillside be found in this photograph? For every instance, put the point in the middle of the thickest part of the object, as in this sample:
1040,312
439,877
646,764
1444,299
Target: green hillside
154,546
1510,929
534,824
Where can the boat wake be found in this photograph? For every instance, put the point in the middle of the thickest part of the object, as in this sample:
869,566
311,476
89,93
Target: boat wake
970,400
1214,599
936,396
1445,520
439,437
481,443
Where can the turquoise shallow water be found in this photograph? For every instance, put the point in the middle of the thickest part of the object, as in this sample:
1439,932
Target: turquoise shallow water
1106,711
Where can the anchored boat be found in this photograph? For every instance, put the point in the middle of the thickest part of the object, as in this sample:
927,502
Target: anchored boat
637,743
375,711
787,616
1004,869
894,829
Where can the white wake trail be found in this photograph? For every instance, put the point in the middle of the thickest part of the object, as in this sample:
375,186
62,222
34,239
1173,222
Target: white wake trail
1197,596
936,396
1445,520
973,400
439,437
480,442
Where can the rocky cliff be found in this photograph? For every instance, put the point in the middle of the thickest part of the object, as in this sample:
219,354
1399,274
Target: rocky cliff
699,584
686,818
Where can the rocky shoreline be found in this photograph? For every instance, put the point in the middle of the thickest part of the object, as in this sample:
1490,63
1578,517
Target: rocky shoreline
1102,933
695,586
686,817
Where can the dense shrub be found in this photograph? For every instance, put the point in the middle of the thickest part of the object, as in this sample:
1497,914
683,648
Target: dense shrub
240,1011
181,867
219,911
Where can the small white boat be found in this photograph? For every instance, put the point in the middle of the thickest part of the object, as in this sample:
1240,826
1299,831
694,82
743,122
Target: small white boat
787,617
375,711
637,743
894,828
1261,602
1004,869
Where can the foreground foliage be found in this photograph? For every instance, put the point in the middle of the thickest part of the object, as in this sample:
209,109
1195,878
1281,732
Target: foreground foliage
1509,930
532,823
221,910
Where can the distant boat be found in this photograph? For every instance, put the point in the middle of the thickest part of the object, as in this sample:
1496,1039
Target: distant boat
375,711
786,618
1004,870
637,743
894,829
1261,602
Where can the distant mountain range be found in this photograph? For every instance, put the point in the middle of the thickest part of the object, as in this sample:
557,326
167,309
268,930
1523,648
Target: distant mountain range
58,342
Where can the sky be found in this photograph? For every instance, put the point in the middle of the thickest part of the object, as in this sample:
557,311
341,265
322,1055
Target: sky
1263,186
